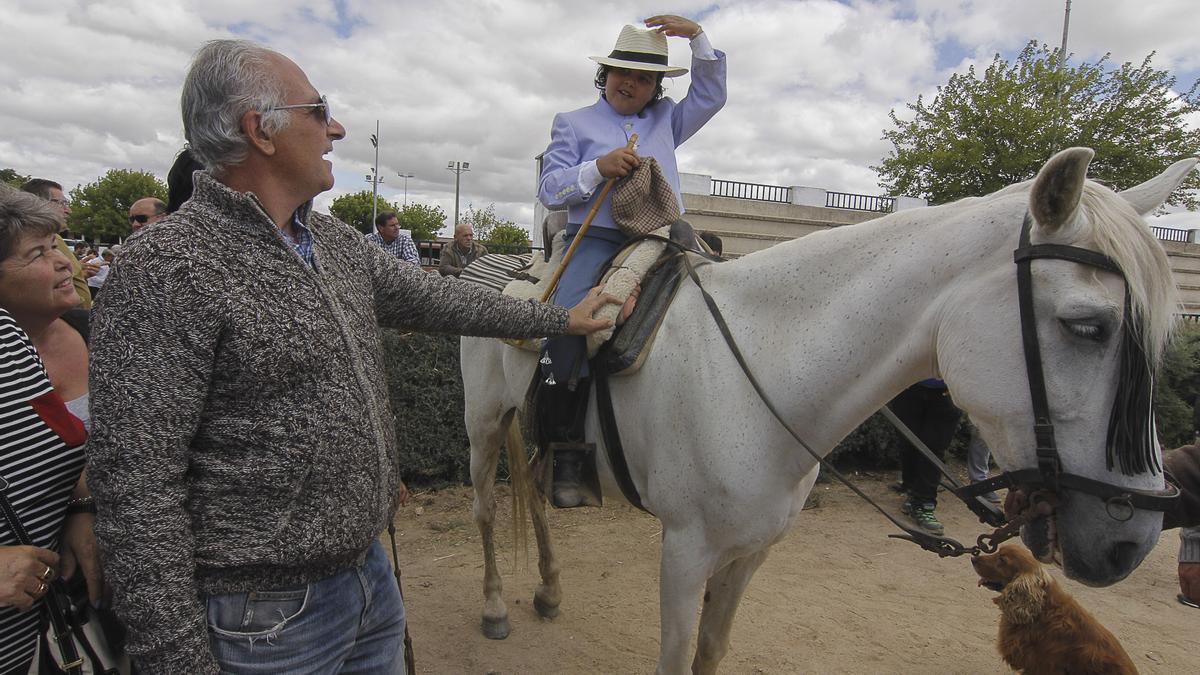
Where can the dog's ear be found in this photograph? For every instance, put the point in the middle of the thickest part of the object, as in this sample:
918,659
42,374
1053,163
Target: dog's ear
1021,600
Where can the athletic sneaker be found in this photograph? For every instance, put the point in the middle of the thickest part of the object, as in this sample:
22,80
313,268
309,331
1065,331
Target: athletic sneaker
922,515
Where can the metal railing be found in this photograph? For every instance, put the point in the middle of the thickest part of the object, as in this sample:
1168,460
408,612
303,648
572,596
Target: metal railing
783,195
846,200
755,191
429,252
1169,234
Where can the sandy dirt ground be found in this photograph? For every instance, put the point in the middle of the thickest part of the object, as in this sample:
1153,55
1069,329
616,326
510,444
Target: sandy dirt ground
835,596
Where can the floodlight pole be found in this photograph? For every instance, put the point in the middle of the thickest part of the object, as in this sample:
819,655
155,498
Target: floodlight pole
458,168
1058,84
374,178
405,176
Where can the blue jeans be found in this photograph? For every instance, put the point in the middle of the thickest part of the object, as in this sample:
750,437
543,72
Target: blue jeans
351,622
978,456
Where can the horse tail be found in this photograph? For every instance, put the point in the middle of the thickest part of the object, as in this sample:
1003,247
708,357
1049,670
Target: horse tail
522,489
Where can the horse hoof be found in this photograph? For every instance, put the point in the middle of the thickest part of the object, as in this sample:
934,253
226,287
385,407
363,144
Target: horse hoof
495,629
544,610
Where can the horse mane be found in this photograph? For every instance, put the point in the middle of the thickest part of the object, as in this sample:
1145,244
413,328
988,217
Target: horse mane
1118,232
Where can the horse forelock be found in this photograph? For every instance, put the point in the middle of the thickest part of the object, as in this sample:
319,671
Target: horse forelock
1113,228
1116,230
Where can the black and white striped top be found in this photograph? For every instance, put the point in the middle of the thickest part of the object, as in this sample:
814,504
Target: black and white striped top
495,270
41,458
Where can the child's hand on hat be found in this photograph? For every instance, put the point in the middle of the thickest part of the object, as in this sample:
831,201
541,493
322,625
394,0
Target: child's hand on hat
618,163
674,26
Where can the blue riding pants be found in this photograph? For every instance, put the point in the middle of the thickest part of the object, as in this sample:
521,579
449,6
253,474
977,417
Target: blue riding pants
599,244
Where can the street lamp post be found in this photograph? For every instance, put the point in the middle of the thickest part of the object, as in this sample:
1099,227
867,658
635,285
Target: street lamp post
458,168
405,176
374,178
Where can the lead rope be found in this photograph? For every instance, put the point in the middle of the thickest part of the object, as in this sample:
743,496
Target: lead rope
943,546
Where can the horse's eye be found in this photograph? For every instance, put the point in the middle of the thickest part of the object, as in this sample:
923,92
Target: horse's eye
1088,330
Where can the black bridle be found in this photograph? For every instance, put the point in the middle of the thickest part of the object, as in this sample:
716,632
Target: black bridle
1043,485
1048,475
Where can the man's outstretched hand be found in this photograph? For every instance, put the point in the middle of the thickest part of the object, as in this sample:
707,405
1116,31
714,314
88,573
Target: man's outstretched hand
579,319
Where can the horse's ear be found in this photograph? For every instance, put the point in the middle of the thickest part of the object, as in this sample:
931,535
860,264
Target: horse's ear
1150,195
1057,188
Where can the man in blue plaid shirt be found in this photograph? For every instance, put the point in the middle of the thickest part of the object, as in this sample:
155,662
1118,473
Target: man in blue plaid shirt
388,236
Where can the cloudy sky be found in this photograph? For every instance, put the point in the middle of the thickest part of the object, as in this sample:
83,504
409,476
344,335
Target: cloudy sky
90,85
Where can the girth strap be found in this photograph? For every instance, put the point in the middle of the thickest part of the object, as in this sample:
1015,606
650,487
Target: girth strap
612,440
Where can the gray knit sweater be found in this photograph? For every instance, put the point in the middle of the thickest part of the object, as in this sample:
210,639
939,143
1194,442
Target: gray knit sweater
241,434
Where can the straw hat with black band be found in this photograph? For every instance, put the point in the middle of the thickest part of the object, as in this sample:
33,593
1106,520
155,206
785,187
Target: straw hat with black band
641,49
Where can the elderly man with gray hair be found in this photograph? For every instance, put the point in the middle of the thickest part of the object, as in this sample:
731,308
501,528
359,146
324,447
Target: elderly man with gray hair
243,456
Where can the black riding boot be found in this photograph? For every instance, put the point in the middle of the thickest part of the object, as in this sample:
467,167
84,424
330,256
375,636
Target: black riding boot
575,481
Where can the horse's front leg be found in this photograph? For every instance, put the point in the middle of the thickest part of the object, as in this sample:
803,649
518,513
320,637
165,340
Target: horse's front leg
548,595
685,567
485,454
722,596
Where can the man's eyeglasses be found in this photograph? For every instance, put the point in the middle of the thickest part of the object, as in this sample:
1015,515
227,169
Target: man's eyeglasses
323,104
60,202
139,218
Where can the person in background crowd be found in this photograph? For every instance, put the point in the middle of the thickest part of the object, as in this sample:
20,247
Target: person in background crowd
106,257
927,410
979,457
387,235
42,457
146,211
461,252
179,179
53,193
243,454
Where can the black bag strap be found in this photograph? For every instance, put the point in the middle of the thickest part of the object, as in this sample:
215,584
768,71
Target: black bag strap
54,599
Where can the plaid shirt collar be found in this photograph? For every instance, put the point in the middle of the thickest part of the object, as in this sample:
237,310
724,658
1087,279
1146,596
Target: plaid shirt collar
302,244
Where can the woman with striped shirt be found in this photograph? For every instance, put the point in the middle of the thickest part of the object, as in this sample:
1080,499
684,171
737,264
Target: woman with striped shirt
41,441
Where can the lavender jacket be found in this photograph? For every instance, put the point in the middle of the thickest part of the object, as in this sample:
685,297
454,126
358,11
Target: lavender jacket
589,133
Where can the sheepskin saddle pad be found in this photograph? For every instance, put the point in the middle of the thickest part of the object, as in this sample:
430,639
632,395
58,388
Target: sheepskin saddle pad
634,264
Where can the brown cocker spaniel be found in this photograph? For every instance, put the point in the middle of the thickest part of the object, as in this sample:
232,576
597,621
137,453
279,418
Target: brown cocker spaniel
1042,629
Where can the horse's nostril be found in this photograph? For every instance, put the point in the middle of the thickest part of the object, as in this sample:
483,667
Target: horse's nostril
1124,555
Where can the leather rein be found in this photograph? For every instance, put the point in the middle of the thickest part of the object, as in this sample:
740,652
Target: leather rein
1046,481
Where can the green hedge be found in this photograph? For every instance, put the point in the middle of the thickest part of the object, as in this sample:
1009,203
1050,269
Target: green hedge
426,391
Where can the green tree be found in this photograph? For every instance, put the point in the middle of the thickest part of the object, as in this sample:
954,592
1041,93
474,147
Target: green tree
483,220
421,220
507,238
101,209
980,134
355,209
1177,388
11,177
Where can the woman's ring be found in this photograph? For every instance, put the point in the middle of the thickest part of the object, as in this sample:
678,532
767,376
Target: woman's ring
40,589
46,575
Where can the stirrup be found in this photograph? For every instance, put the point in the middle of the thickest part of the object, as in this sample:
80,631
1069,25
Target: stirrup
574,480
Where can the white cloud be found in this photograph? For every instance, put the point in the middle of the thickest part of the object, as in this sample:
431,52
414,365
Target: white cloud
87,86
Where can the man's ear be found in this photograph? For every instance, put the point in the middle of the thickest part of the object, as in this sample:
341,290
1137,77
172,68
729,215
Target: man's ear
252,128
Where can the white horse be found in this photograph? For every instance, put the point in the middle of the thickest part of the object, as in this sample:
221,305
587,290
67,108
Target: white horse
834,325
